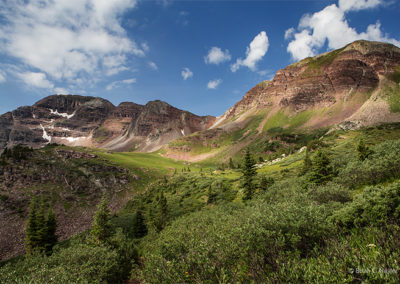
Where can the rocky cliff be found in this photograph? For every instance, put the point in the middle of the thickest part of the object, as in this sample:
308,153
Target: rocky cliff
90,121
324,81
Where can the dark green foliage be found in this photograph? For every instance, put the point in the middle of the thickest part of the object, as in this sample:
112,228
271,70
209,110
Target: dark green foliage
374,206
321,170
101,230
79,263
31,241
231,165
163,211
18,152
363,150
266,182
139,227
307,163
51,228
40,231
248,175
211,195
271,146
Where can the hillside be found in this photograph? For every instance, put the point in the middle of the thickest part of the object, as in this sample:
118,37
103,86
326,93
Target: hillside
355,86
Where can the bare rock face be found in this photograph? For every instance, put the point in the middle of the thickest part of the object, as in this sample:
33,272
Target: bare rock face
325,79
89,121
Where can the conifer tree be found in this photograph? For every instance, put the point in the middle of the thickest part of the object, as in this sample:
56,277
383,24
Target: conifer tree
163,211
321,170
248,174
307,164
139,225
31,229
266,182
51,227
363,150
41,227
101,229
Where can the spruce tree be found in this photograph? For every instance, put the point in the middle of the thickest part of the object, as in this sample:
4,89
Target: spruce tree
51,227
41,227
163,211
101,229
266,182
31,229
363,150
248,174
321,170
139,225
307,164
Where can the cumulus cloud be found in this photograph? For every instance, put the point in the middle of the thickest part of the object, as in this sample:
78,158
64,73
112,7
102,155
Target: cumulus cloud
254,53
330,25
68,40
214,84
216,56
289,33
2,77
117,84
186,73
36,79
153,66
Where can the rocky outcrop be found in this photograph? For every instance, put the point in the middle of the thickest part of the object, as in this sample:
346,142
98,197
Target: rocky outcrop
325,79
89,121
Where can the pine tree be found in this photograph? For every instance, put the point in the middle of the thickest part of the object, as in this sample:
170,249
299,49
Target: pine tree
321,170
139,225
101,229
266,182
248,174
363,150
51,227
31,229
307,164
41,227
163,211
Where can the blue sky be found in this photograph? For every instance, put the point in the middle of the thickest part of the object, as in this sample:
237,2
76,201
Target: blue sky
200,56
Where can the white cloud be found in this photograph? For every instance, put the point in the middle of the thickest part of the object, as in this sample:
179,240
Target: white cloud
330,25
254,53
117,84
186,73
216,56
2,77
60,91
36,79
289,33
214,84
153,65
68,40
355,5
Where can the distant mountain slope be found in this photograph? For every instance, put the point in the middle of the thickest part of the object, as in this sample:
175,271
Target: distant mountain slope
88,121
357,85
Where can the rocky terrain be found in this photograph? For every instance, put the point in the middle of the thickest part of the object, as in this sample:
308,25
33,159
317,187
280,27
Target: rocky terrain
88,121
332,79
71,180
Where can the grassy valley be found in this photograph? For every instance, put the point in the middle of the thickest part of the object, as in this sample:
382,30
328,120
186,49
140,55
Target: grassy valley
300,225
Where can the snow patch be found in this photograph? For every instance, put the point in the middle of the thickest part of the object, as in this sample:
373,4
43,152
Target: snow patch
73,139
33,115
45,135
63,114
183,132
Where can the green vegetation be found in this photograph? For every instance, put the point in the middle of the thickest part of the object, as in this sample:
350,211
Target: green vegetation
329,214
